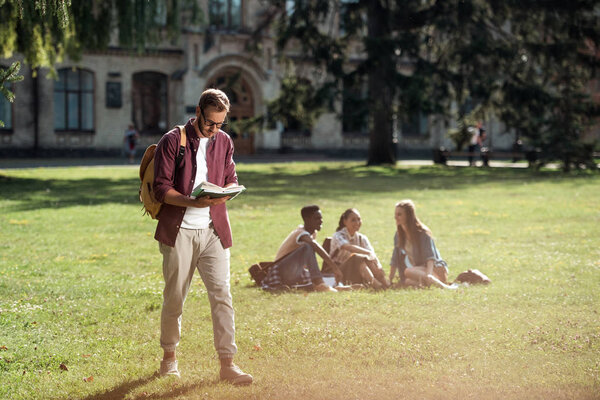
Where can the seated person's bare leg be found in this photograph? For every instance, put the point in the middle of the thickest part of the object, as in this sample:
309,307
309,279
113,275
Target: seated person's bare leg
378,272
411,282
360,262
417,274
368,278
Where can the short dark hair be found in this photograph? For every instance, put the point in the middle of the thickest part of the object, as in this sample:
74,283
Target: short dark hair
307,211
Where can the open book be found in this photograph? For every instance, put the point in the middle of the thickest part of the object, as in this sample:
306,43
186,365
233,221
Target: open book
213,191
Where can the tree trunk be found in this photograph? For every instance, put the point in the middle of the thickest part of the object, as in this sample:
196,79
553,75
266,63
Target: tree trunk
381,87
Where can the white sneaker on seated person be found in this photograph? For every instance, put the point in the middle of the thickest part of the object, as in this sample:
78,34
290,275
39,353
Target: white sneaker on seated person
322,287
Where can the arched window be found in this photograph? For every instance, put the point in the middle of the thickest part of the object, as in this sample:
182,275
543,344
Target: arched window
6,110
74,100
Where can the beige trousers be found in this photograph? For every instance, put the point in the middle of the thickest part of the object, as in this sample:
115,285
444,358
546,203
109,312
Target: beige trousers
198,249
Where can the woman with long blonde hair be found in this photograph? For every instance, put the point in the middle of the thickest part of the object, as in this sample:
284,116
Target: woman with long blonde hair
415,256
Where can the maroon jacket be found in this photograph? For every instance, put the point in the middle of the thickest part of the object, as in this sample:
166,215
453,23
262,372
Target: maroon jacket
221,171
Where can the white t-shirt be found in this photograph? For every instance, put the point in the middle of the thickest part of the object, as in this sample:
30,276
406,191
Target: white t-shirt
341,238
474,136
292,241
198,218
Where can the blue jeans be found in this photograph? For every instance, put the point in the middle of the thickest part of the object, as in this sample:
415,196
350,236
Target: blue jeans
292,265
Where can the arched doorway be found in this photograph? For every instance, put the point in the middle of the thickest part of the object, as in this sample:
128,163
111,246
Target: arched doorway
241,127
149,111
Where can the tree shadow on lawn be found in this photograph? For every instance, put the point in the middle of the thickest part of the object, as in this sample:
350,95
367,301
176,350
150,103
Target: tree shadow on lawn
338,181
57,193
176,391
329,180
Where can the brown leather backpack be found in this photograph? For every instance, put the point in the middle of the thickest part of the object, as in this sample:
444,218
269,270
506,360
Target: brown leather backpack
151,206
473,276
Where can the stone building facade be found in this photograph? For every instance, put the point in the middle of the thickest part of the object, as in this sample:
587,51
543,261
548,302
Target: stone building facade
93,100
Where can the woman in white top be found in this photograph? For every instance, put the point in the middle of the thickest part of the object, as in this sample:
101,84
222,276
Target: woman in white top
353,253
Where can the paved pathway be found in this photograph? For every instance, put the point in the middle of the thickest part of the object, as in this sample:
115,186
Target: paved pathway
9,163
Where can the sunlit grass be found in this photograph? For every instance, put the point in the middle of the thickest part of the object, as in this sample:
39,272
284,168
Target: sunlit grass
81,284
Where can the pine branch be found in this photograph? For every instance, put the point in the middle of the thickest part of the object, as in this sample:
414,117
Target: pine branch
10,75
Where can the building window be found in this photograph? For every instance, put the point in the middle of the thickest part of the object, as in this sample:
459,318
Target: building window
225,14
414,125
290,7
160,18
6,112
74,100
149,95
355,111
352,18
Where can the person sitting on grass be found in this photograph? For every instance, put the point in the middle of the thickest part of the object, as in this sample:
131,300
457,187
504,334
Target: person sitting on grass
297,253
415,256
354,255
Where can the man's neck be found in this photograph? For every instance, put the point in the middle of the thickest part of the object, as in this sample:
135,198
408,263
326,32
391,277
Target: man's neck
309,229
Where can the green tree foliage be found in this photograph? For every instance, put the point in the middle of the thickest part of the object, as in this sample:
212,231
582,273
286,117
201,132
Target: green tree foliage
527,61
301,105
544,94
44,31
9,75
36,29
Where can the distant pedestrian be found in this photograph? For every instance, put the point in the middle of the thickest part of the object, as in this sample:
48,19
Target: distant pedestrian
130,140
477,137
483,150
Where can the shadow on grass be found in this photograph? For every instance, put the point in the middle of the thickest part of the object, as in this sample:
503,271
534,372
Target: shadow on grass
284,180
119,392
57,193
336,181
177,392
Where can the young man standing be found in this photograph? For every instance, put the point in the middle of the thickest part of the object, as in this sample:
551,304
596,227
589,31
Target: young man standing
194,233
297,252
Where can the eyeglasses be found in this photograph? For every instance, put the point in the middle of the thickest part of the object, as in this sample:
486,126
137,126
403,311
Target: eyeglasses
209,124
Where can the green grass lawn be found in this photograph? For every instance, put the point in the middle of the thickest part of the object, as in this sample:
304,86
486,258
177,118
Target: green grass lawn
81,283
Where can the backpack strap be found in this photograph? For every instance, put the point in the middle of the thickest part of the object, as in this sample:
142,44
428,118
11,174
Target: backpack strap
182,144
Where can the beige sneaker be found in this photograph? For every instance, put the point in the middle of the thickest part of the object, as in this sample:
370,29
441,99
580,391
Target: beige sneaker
169,367
322,287
234,375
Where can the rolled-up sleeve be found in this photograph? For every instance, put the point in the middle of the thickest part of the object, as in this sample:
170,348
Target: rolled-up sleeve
229,173
164,165
303,233
337,241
